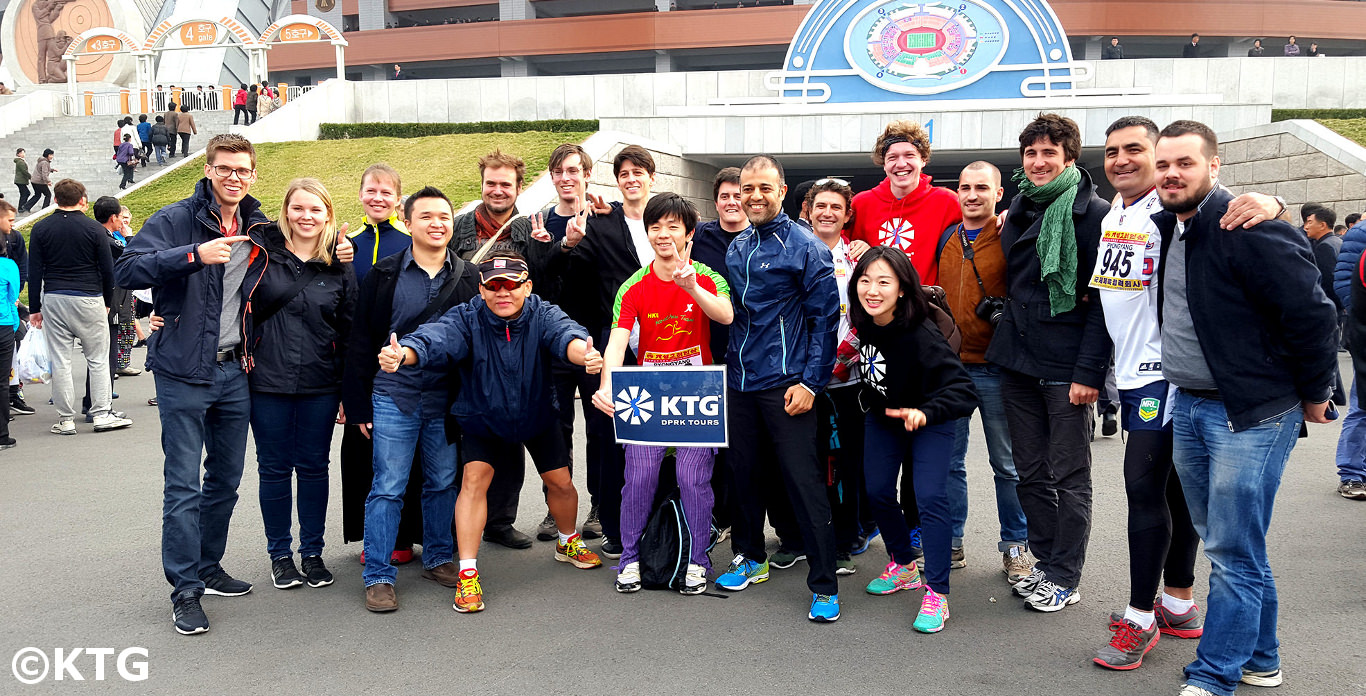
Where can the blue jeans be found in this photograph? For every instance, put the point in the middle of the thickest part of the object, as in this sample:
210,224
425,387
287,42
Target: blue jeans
1352,442
887,447
195,419
397,436
293,435
1014,532
161,154
1230,480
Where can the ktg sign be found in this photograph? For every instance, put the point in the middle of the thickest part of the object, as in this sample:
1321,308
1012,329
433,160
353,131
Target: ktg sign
667,406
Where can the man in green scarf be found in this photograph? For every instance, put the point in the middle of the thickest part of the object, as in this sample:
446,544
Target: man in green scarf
1054,351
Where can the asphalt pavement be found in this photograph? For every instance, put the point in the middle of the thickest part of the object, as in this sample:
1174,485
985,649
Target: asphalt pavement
81,519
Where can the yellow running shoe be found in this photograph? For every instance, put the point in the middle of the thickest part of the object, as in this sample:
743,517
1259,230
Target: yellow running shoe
469,596
573,551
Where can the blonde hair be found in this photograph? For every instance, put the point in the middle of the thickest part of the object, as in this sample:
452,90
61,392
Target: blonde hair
381,171
328,239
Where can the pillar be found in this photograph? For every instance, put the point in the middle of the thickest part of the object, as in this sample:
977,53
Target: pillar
373,14
516,66
664,61
511,10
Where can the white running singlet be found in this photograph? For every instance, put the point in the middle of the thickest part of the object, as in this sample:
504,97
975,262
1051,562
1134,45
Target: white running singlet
1126,275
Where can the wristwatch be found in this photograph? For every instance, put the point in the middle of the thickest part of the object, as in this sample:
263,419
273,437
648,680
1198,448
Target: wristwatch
1281,201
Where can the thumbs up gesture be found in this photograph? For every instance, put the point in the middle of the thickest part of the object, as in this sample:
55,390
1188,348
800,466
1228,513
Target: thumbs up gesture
391,356
592,359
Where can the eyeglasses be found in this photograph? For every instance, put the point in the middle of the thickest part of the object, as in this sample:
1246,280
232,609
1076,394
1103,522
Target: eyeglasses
502,284
223,172
831,180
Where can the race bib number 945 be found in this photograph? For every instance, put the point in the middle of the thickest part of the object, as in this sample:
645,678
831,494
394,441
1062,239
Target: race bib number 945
1122,264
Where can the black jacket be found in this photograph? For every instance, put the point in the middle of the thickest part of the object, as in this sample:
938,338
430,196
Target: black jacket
1326,250
370,332
1265,326
709,245
904,366
299,347
17,252
70,251
465,242
1073,346
1108,52
593,271
164,255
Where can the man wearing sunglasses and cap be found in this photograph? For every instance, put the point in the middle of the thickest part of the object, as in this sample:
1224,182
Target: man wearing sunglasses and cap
502,346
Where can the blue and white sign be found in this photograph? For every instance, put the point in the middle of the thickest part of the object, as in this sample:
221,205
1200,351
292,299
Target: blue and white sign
880,50
669,406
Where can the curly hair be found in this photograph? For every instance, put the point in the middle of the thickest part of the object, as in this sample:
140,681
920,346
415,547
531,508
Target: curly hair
902,132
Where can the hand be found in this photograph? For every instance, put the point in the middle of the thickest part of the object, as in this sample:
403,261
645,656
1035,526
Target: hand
797,400
155,321
602,398
219,251
341,414
914,417
35,320
366,429
599,205
857,248
1249,209
1316,413
592,359
538,230
391,356
576,228
1081,394
346,251
685,276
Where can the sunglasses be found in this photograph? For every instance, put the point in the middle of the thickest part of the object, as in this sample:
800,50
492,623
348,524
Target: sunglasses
832,180
502,284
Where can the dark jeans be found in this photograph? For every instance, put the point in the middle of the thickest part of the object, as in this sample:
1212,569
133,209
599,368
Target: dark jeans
758,423
25,196
6,362
195,419
1050,439
184,145
239,110
925,454
293,434
41,190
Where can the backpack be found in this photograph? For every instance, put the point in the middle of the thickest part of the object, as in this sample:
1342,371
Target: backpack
665,547
942,317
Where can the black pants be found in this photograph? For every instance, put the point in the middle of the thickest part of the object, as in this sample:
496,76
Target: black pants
358,475
240,110
606,462
6,362
184,145
127,170
1162,540
170,147
1051,441
251,116
758,423
25,197
41,190
839,440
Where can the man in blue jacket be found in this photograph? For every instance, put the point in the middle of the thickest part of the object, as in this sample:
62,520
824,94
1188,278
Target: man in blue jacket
195,254
781,354
1252,361
1351,455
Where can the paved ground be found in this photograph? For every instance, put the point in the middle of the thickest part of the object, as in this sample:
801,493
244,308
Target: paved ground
81,520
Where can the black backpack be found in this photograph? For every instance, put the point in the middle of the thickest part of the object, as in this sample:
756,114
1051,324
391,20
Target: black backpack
665,547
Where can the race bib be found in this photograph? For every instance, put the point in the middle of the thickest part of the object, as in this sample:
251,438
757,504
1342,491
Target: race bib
1122,263
687,356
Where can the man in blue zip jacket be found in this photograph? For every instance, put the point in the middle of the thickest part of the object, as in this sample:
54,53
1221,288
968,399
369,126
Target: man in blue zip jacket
781,353
1252,361
193,253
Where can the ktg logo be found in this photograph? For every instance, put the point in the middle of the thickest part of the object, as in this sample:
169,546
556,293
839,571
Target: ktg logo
32,665
635,406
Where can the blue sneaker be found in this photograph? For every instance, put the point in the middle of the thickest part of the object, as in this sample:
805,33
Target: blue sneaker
860,545
917,547
742,572
824,608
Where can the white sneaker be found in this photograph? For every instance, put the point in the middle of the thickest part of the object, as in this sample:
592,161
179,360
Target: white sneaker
628,578
64,427
1272,678
1050,597
1190,690
696,580
1026,587
109,421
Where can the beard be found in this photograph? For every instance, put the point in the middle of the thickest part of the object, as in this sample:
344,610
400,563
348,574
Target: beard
1186,203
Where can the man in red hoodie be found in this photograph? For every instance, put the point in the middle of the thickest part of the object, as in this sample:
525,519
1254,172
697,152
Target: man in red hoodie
905,210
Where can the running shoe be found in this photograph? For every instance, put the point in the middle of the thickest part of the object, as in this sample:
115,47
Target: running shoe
844,565
896,577
1127,646
1050,597
573,551
1352,490
284,574
860,545
784,558
934,611
1193,690
628,578
592,527
611,548
742,573
1016,564
695,582
824,608
917,545
317,573
1266,679
469,595
1026,587
546,530
1188,625
957,558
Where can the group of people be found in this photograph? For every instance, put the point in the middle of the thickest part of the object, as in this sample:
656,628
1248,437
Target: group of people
858,340
252,102
1114,50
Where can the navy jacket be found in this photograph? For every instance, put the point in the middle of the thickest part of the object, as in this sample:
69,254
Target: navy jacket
787,306
709,245
505,386
1070,347
165,255
1353,243
1265,326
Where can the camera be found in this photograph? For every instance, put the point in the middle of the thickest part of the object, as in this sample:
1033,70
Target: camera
990,309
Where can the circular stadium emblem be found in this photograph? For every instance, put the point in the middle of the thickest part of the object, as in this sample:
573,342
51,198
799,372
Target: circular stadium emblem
925,48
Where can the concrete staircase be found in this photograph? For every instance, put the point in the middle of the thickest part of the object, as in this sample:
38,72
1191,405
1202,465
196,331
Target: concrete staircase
84,147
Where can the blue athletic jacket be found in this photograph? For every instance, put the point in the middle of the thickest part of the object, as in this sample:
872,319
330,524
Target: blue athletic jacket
505,386
787,306
1353,243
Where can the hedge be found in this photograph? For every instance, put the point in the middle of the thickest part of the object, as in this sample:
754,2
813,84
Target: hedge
1288,114
342,131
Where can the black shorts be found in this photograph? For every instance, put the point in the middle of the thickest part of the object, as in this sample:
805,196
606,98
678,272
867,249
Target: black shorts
547,450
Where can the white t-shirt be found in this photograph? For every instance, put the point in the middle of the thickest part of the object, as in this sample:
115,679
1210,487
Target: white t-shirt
1126,275
645,251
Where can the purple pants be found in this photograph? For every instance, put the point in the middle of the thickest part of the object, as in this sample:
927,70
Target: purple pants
638,497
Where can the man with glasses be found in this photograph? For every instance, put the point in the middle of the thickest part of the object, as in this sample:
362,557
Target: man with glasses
195,254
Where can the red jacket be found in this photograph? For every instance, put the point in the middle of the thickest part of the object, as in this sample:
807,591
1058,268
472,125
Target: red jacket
912,224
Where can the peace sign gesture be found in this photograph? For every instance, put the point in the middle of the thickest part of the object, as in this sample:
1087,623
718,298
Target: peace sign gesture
684,276
577,227
538,230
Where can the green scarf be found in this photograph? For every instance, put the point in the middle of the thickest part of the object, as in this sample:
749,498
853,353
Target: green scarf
1057,243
